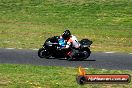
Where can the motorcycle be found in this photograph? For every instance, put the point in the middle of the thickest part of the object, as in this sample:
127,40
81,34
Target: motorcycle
52,49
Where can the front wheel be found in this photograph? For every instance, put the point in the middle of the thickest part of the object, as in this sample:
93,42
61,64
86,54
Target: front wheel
43,53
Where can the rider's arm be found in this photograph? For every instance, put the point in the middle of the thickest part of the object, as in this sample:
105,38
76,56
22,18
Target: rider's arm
75,42
69,42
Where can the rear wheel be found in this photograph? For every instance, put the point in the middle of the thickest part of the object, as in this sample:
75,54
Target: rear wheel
86,53
43,53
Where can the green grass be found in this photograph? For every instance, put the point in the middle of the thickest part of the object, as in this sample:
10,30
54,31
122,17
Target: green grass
27,23
28,76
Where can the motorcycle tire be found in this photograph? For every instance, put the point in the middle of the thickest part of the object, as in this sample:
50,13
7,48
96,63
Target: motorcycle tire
43,53
87,53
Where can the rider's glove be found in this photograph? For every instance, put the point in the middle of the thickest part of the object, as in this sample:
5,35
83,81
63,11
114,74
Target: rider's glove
67,46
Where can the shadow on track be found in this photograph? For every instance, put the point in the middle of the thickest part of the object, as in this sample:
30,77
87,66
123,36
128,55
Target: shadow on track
67,60
77,60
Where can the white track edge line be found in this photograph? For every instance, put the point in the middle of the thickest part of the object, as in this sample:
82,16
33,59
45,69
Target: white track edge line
35,49
10,48
38,49
110,52
20,48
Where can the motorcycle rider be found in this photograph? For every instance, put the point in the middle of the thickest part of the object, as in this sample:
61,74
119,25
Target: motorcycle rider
71,41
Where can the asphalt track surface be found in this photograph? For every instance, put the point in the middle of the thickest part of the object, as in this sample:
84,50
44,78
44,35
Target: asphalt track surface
101,60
